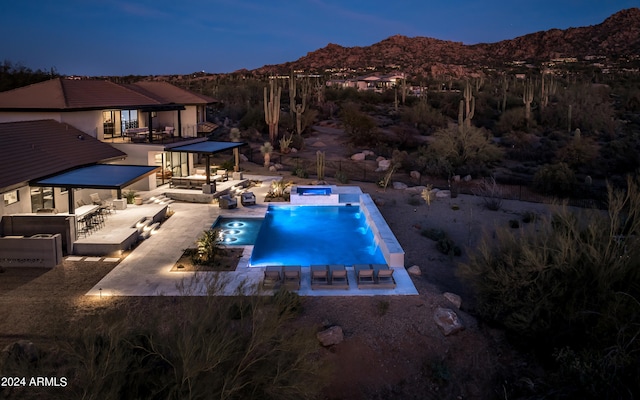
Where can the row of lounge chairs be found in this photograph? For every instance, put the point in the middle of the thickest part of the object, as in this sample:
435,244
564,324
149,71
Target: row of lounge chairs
368,276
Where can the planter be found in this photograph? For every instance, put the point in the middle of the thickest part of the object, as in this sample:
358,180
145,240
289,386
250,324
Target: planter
138,201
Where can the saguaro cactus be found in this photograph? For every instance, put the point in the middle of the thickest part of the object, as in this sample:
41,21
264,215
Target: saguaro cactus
272,109
527,98
320,165
469,105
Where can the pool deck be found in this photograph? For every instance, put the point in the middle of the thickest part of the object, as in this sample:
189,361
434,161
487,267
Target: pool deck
146,271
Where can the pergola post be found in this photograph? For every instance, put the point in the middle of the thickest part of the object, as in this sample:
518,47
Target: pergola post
179,123
71,201
150,126
236,156
208,171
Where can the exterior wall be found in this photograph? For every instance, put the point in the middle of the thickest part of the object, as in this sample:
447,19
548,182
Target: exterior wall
189,120
43,252
140,154
22,206
8,116
89,122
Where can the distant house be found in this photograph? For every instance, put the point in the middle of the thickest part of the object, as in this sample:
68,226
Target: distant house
143,120
373,82
36,149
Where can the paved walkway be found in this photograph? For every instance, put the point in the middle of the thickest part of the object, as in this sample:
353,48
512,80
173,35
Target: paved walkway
146,271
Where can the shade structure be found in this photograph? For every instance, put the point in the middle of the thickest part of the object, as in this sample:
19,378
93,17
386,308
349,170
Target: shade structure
98,176
207,147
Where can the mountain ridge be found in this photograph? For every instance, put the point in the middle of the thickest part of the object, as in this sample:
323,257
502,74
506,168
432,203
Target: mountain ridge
617,36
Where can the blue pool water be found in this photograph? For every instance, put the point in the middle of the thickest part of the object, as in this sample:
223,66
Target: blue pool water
238,231
314,191
308,235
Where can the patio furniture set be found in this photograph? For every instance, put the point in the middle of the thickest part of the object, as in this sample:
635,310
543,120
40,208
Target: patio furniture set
229,201
368,276
91,217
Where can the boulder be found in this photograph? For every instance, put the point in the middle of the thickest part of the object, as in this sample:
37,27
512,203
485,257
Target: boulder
22,350
319,144
414,175
415,189
456,178
443,193
448,321
414,270
272,168
453,299
330,336
379,201
278,166
294,150
358,157
399,185
368,153
467,178
384,165
380,158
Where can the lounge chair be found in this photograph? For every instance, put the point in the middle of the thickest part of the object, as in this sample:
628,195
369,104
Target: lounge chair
248,199
292,277
364,275
384,276
227,202
272,277
319,277
338,277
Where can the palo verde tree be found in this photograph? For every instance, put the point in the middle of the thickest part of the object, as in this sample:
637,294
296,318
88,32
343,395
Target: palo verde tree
569,287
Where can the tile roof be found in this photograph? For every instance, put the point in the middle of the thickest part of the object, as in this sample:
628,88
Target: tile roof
34,149
69,95
168,93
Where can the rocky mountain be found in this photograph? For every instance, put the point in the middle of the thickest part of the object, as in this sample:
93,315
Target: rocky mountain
618,35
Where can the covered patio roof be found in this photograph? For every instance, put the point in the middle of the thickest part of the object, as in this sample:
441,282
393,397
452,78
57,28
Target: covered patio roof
98,176
209,148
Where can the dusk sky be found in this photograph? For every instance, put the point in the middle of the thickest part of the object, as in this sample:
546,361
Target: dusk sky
153,37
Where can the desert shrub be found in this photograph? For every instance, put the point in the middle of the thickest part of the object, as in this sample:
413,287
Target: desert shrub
490,192
514,223
433,234
230,347
414,200
300,173
555,179
209,247
448,246
570,292
342,177
529,216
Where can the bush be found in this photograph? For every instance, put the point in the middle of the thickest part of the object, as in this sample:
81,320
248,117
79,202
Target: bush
569,291
514,223
433,234
300,173
448,246
342,177
555,179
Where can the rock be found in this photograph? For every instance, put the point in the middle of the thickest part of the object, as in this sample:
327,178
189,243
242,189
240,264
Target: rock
358,157
456,178
379,202
467,178
399,185
272,168
22,350
380,158
414,175
447,320
294,150
415,189
443,193
384,165
368,153
414,270
453,299
278,166
243,158
330,336
319,144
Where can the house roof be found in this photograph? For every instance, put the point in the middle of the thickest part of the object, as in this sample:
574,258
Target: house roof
33,149
168,93
61,94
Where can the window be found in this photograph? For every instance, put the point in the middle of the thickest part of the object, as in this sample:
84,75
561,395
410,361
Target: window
11,197
129,119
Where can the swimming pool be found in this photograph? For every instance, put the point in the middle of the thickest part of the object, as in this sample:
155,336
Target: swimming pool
238,231
309,235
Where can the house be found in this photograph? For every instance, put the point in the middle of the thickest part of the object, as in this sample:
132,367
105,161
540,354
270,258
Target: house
36,149
144,120
373,82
